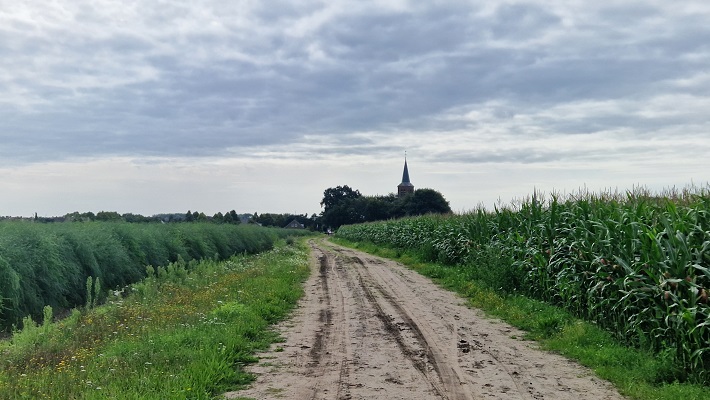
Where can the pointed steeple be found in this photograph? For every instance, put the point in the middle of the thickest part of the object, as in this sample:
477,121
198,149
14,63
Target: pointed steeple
405,175
406,187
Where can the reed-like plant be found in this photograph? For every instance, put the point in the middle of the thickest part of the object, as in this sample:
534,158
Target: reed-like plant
49,264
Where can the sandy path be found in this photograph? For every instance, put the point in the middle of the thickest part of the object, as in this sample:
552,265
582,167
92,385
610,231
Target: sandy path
368,328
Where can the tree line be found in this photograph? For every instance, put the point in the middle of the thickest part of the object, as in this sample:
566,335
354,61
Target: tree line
344,205
230,217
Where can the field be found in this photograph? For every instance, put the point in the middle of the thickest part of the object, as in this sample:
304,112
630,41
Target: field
65,265
618,282
636,265
185,332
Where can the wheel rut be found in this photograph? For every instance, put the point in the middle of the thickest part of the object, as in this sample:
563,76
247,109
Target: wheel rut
368,328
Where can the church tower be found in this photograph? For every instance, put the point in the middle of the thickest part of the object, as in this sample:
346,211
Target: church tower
406,186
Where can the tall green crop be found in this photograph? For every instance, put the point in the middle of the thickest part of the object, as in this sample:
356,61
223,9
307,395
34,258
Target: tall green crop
637,265
48,264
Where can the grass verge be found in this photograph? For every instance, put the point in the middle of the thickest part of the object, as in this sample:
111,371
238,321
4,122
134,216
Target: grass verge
637,374
185,332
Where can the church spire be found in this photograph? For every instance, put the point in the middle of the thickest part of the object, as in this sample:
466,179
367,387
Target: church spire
406,186
405,175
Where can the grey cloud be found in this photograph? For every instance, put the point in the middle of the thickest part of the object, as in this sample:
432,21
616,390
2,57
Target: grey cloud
582,155
522,156
157,90
522,21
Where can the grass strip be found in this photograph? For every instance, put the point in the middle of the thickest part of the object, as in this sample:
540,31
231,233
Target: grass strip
185,332
634,372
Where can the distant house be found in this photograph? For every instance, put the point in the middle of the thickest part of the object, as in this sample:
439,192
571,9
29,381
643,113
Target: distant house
295,225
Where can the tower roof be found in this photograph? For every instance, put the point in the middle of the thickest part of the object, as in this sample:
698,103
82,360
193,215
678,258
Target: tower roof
405,176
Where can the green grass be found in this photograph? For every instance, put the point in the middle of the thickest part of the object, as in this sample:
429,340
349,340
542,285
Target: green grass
636,373
184,333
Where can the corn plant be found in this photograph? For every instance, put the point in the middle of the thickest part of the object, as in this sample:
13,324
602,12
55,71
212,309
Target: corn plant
636,264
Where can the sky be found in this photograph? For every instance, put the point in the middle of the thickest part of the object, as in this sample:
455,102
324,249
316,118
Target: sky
160,106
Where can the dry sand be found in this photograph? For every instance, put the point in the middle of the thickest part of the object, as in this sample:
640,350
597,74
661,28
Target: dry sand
369,328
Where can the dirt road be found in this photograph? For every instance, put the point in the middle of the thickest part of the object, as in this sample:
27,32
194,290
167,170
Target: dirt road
369,328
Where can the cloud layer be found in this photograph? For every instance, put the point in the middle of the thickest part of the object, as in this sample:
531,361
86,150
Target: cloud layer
462,85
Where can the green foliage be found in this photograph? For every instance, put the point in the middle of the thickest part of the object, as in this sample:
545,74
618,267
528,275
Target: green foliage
345,206
636,265
635,372
50,264
189,338
89,292
423,201
333,196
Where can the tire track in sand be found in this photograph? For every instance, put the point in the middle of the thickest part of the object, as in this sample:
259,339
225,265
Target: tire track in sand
368,328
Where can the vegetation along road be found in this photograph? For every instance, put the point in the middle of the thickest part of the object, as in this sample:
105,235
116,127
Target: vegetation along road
368,328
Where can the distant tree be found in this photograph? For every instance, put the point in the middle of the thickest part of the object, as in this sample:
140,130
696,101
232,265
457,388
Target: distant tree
189,216
315,223
235,217
347,211
380,208
218,218
227,218
333,196
108,216
344,206
136,218
265,219
425,201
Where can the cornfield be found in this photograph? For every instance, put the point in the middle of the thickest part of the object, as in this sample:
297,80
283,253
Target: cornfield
636,264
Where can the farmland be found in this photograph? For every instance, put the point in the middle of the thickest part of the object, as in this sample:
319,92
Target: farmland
185,332
635,265
179,310
65,265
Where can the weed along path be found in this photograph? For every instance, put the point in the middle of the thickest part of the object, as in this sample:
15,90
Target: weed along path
368,328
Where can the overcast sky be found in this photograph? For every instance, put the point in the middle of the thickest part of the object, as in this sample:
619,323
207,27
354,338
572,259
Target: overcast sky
259,106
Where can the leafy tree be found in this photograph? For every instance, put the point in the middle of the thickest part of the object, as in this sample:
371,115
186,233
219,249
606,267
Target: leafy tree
108,216
344,206
425,201
235,217
135,218
333,196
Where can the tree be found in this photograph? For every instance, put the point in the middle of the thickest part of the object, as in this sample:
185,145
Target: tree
425,201
345,212
235,217
136,218
108,216
344,206
333,196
